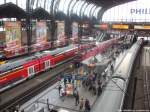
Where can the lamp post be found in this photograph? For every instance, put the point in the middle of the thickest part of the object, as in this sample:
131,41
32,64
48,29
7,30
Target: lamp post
29,25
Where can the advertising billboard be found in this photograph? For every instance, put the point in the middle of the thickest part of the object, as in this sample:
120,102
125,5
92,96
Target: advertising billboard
60,30
119,26
74,30
13,34
41,32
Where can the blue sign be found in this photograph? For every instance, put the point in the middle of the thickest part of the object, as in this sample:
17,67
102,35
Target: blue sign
140,11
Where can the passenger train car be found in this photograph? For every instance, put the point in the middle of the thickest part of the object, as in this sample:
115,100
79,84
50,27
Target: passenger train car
15,72
112,98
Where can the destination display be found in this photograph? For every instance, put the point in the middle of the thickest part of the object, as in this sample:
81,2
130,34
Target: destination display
144,27
120,26
102,26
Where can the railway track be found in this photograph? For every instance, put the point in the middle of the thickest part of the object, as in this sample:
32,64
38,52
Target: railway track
147,90
22,98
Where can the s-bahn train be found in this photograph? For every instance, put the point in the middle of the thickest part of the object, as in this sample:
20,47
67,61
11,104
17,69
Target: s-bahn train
18,71
112,98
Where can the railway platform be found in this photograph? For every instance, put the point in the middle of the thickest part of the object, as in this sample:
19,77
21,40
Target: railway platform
50,98
12,95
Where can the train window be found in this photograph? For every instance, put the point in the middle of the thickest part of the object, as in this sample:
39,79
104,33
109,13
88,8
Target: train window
47,64
31,71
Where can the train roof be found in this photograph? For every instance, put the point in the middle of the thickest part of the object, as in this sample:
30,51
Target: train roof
15,64
59,50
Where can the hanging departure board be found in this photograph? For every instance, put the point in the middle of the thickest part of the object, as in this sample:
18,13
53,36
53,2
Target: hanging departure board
120,26
142,27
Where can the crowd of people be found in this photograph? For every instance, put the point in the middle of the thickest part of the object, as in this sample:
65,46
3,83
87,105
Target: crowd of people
93,83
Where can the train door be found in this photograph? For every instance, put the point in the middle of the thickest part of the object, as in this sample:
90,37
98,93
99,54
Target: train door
31,71
47,64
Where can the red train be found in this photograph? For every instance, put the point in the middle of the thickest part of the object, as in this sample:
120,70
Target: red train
15,72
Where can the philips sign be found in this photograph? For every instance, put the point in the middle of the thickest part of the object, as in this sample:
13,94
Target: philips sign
140,11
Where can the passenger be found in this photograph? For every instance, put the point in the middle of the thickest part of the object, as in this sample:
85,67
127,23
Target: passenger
69,79
62,94
112,68
94,88
99,91
104,75
99,83
87,106
59,88
77,99
65,82
81,103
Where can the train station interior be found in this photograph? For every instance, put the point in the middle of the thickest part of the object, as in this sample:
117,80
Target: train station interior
74,56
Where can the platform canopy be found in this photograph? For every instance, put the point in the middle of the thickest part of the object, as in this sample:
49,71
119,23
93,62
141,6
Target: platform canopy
90,10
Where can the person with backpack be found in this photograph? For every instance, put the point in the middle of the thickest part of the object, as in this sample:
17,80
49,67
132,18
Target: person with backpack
87,106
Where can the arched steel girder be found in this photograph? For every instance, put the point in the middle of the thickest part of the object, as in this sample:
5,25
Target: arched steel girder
66,6
79,8
96,12
100,14
44,3
76,7
55,7
89,15
92,11
71,11
92,18
68,10
51,7
48,4
76,13
61,5
86,11
83,9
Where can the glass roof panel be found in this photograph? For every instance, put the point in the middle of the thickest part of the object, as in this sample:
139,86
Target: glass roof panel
41,3
70,8
22,4
96,12
35,4
48,5
75,8
61,5
92,11
79,7
87,9
12,1
83,9
66,6
1,2
137,11
55,5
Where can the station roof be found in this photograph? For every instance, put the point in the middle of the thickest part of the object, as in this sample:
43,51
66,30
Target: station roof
41,14
11,10
90,10
109,3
